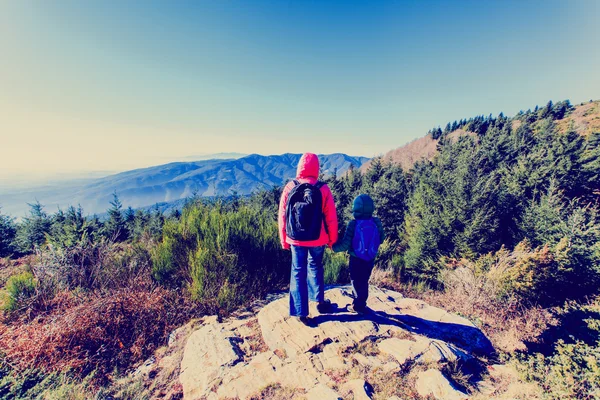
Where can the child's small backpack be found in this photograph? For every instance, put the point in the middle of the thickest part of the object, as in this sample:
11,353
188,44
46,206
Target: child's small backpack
304,213
366,239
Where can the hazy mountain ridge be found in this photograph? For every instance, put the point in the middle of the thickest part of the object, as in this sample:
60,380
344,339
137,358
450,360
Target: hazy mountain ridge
175,181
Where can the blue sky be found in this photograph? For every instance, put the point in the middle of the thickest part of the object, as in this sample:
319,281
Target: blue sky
112,85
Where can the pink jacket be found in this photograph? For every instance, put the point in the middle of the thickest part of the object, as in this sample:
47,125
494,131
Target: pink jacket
308,172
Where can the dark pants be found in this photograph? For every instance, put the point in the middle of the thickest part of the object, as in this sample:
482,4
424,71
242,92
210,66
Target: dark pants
360,272
306,280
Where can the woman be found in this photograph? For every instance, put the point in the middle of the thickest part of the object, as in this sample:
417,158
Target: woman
307,223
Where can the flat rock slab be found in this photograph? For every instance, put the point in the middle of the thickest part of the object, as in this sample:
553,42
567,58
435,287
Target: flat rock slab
360,389
390,312
289,334
420,350
322,392
238,358
433,383
208,352
266,369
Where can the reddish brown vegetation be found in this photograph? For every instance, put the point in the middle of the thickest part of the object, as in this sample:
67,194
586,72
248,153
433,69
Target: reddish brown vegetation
585,119
93,332
423,148
406,156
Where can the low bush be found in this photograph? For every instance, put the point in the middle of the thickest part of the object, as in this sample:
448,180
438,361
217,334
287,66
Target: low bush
17,290
222,256
91,265
36,384
573,372
336,268
567,365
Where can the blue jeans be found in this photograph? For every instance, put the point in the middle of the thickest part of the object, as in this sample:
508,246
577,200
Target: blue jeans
306,281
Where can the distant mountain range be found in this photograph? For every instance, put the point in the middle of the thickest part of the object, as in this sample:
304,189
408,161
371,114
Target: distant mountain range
172,182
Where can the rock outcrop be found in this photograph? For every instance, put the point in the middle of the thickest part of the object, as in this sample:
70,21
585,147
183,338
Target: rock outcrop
401,348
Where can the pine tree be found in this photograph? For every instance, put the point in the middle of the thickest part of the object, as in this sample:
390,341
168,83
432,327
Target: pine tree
590,160
129,219
115,228
8,231
390,195
546,112
175,214
32,231
157,220
354,181
374,173
448,128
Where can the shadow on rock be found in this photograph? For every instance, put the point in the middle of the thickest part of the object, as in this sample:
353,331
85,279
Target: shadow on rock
465,337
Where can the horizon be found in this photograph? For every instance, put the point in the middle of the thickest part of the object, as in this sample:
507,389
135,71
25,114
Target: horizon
76,177
116,86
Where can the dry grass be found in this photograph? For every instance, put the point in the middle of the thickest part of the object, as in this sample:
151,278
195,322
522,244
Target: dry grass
253,342
380,276
516,124
278,392
385,384
367,347
422,148
506,323
161,378
504,383
455,135
91,333
585,119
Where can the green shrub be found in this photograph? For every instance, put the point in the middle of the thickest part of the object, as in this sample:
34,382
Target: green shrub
18,289
222,255
568,366
336,268
36,384
572,372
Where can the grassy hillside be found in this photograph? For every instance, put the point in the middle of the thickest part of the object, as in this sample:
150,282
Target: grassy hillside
583,119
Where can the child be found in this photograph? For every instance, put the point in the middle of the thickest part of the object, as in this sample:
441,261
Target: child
363,236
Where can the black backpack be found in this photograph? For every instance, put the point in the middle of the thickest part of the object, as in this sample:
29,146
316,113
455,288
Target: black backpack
304,212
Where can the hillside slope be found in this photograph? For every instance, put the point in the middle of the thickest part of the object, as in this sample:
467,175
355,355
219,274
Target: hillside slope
584,119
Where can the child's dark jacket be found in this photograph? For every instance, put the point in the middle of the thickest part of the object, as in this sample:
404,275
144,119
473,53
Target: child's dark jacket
362,208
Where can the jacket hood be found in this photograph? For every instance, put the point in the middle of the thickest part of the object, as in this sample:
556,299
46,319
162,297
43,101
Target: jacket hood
363,206
308,166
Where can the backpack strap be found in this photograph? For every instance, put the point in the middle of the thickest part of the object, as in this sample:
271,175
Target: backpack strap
319,185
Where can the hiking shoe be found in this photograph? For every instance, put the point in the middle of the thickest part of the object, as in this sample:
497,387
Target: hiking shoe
325,307
305,321
357,310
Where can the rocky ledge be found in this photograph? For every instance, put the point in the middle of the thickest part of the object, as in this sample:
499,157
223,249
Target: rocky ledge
403,348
